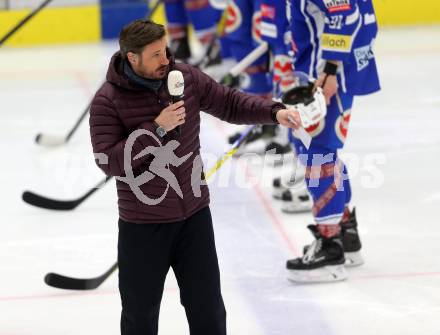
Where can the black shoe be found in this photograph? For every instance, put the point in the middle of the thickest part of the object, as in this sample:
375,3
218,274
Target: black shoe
323,261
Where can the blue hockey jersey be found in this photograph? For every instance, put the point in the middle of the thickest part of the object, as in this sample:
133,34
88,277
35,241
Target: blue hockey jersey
342,30
275,26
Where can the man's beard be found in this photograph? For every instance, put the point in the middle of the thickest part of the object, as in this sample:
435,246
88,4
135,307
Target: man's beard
162,70
155,74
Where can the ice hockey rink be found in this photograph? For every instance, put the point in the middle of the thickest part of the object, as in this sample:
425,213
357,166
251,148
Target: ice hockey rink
393,155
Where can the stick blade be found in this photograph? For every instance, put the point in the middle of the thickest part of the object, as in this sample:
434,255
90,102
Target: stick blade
49,141
36,200
68,283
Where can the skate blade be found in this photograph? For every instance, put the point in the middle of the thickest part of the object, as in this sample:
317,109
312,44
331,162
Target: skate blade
292,209
277,193
325,274
353,259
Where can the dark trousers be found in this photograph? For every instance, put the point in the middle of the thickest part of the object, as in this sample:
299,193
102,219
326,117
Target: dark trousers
145,254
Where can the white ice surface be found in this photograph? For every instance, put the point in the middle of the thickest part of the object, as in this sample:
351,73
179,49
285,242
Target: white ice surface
393,153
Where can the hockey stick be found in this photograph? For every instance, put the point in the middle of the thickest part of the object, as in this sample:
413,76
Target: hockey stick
59,205
153,9
230,78
55,141
235,146
23,22
70,283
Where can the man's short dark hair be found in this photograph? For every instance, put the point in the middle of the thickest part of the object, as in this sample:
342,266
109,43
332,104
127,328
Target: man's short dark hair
138,34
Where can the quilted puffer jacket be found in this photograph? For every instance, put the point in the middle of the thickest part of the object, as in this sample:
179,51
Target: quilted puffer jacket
121,107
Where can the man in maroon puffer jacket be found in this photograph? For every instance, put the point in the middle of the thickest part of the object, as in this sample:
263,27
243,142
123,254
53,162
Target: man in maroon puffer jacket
164,222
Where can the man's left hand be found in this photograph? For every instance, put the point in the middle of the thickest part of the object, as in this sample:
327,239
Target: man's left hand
329,85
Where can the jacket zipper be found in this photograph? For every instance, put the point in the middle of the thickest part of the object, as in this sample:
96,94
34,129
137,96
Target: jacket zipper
181,201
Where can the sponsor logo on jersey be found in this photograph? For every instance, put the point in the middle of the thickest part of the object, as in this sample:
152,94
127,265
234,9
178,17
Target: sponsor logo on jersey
233,18
369,18
269,29
363,56
341,125
338,43
256,27
334,6
268,11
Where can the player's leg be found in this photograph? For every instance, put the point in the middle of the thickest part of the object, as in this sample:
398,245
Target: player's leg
243,32
275,31
244,35
205,19
328,183
291,188
323,260
177,27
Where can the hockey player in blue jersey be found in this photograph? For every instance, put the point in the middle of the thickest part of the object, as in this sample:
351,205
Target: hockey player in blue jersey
334,40
244,33
204,19
275,30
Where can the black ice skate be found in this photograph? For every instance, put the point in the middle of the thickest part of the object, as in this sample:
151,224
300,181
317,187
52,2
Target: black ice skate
263,132
279,144
350,240
296,200
261,140
280,185
292,179
323,261
278,148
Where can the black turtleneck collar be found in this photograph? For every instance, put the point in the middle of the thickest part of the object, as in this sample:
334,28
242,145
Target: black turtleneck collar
152,84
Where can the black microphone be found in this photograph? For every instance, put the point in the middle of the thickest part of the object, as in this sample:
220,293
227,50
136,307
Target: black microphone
176,85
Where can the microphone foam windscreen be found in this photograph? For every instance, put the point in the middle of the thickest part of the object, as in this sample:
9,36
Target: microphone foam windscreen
175,83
